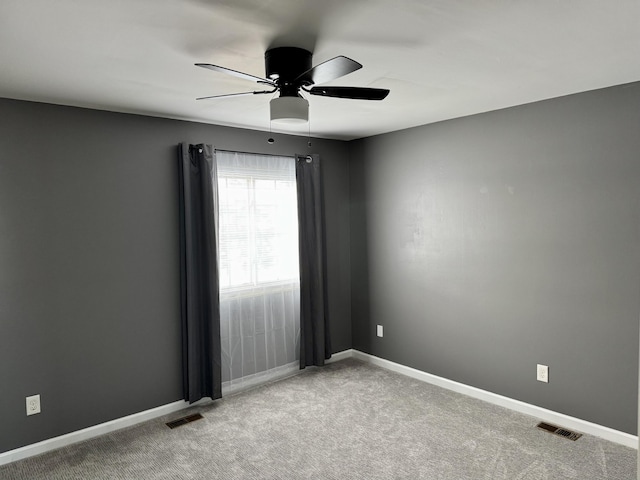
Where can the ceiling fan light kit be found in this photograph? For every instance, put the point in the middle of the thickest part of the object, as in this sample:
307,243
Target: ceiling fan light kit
288,71
289,110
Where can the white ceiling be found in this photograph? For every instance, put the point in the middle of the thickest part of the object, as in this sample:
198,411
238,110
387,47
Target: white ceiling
441,59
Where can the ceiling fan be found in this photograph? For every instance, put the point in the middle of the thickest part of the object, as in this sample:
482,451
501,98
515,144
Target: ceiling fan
289,70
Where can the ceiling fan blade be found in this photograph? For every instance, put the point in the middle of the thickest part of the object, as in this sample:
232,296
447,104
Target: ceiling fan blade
237,94
357,93
235,73
330,70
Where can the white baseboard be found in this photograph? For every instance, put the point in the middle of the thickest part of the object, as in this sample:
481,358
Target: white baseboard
130,420
94,431
550,416
336,357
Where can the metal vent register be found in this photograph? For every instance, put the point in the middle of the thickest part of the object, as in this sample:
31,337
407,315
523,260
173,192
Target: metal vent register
562,432
184,420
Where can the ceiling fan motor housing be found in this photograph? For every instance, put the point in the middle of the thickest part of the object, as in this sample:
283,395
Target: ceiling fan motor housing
283,65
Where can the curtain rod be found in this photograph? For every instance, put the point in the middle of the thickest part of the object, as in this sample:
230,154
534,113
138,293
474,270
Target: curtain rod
253,153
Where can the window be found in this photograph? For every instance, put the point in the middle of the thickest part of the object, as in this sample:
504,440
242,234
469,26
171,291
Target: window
258,221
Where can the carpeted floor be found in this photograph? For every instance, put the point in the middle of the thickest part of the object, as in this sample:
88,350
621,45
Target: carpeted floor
348,420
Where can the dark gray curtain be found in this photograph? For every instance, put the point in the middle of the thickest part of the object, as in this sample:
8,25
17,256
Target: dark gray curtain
315,338
200,302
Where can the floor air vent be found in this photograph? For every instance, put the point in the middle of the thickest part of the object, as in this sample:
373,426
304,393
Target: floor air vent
559,431
184,420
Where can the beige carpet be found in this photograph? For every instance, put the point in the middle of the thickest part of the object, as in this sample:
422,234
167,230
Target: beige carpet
348,420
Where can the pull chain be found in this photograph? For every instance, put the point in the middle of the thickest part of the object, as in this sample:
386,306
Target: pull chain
270,140
309,132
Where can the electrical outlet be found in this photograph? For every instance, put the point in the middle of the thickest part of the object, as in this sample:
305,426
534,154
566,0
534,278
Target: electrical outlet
33,404
542,373
379,330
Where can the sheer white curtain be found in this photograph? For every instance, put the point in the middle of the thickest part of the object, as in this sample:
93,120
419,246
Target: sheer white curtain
259,277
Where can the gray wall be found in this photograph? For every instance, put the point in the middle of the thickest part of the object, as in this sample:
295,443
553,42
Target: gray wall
89,266
487,244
